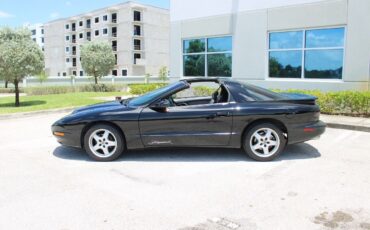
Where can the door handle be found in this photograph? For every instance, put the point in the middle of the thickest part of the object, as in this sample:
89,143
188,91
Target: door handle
223,114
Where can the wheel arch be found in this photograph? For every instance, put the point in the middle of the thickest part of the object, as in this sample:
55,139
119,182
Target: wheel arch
273,121
91,124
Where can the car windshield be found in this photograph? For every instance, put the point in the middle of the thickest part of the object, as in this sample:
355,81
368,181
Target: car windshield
146,98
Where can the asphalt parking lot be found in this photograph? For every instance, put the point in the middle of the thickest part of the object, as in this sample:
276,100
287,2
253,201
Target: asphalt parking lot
321,184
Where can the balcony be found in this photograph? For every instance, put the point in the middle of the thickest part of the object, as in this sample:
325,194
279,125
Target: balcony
114,48
74,52
137,47
74,64
88,38
114,35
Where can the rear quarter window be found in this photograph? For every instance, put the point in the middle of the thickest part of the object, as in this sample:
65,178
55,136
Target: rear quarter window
247,93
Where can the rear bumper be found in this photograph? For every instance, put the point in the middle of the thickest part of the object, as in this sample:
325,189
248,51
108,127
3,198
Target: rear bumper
305,132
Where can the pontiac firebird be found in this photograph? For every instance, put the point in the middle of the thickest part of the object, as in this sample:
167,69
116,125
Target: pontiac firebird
236,115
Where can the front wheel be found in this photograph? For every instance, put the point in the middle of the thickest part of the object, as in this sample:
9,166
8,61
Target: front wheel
103,142
264,142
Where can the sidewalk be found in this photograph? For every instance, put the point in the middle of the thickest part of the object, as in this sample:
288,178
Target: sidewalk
344,122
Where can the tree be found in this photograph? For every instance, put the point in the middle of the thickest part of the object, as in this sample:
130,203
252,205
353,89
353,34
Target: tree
97,59
19,57
42,77
163,73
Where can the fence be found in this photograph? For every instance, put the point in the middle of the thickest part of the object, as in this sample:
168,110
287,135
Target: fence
65,81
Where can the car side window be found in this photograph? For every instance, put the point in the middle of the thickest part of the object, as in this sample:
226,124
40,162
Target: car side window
197,89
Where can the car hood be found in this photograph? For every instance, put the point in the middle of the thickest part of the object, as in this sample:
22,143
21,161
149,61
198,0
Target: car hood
106,106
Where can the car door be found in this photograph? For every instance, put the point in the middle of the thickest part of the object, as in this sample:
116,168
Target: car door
193,125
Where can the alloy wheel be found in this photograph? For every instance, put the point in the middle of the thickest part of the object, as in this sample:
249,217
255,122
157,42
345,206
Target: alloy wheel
264,142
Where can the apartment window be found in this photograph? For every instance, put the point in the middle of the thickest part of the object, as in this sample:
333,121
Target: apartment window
114,31
116,59
136,56
88,23
81,73
74,50
88,36
67,38
105,18
137,16
42,40
67,60
67,49
309,54
42,31
34,39
73,26
114,45
64,74
97,20
73,38
74,62
114,72
96,33
208,57
67,26
124,72
114,17
74,73
105,31
81,36
80,23
137,44
33,32
137,30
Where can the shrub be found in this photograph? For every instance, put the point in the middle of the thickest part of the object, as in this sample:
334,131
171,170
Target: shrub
139,89
354,103
45,90
202,91
9,90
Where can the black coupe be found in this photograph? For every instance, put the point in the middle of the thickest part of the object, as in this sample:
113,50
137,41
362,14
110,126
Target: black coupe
182,114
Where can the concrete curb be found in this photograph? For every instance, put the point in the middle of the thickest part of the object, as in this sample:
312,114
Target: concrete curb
41,112
348,127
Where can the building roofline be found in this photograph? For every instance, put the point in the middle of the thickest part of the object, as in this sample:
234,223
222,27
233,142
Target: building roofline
107,7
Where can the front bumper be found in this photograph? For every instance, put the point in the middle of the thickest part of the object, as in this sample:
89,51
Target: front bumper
68,136
305,132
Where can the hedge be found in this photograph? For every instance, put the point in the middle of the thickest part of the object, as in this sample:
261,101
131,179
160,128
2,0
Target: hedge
352,103
139,89
46,90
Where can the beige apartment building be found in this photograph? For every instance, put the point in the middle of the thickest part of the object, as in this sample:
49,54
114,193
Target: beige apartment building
139,35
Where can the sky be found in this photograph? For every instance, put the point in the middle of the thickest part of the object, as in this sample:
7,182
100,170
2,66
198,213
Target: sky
19,12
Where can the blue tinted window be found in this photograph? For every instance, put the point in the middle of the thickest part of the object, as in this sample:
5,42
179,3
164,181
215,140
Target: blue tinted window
324,64
219,65
286,40
285,64
325,38
219,44
194,65
194,46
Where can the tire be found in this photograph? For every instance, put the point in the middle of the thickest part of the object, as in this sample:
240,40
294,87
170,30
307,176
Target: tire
104,142
264,142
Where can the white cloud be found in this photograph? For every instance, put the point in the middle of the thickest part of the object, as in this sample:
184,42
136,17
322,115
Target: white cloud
6,15
54,15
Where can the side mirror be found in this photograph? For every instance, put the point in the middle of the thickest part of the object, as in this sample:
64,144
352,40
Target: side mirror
161,106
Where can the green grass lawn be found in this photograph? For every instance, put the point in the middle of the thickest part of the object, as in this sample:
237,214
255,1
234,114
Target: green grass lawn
52,101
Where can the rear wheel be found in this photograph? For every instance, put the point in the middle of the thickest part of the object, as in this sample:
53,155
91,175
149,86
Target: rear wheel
264,142
103,143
